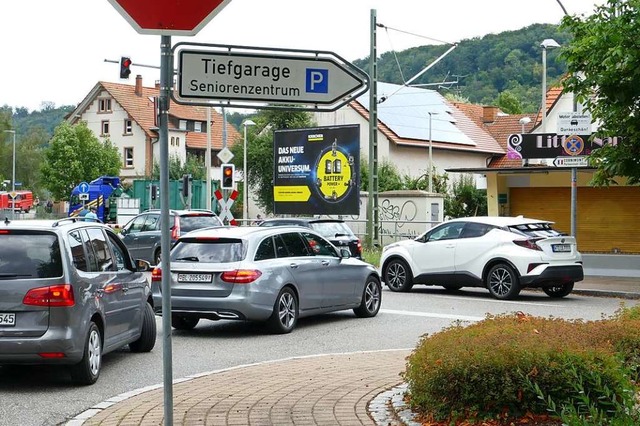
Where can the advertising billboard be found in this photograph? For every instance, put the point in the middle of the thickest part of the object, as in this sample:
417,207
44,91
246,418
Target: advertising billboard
317,171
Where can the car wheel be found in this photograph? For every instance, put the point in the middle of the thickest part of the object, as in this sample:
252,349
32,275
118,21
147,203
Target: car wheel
87,371
398,276
503,282
285,312
180,322
371,297
157,257
147,339
559,290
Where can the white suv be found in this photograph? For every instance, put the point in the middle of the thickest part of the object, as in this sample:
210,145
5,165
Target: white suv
502,254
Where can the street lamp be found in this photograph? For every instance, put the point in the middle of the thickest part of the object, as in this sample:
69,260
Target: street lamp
13,178
523,121
245,206
548,43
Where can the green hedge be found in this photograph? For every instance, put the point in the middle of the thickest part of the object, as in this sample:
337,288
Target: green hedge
508,365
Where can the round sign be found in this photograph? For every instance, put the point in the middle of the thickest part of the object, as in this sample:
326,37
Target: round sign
334,174
573,145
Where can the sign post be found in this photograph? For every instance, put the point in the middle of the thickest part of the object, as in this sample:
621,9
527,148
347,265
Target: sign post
166,18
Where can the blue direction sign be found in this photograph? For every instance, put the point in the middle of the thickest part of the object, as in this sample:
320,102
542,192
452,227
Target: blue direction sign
83,187
240,76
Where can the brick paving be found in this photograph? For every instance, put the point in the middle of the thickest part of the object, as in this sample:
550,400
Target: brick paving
321,390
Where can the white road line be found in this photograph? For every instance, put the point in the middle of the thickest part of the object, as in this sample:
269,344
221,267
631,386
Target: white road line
431,315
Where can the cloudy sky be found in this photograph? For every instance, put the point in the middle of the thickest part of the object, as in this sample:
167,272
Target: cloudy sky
55,51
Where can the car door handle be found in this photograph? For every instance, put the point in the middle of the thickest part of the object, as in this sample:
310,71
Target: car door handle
325,263
294,266
450,246
125,289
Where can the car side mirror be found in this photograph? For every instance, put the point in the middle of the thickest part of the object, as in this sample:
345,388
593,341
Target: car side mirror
345,253
143,265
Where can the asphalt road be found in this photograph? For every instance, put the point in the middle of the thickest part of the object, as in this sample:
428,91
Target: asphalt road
45,396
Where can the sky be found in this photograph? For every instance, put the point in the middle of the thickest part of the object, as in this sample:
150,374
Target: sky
55,50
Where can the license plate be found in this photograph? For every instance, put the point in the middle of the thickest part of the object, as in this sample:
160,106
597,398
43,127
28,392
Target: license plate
7,320
195,278
561,248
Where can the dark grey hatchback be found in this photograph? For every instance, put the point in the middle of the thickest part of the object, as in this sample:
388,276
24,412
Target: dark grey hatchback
334,230
69,293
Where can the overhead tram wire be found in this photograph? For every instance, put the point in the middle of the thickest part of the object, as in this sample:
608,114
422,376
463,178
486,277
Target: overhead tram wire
404,82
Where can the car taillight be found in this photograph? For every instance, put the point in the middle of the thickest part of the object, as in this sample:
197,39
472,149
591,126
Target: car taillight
240,276
529,244
175,231
359,247
52,296
156,275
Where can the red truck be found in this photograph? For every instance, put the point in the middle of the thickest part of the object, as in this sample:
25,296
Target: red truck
22,201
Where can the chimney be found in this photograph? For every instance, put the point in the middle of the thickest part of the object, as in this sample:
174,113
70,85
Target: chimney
158,84
489,114
138,85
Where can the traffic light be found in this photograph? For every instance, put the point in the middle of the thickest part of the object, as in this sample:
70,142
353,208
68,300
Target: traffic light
155,191
125,67
228,170
185,185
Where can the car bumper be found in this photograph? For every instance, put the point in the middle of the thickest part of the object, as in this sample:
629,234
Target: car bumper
554,275
21,350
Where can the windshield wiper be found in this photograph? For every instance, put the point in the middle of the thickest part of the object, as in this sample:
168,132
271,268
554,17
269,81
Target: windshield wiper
189,258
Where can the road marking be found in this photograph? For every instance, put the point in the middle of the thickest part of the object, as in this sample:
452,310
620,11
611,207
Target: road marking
431,315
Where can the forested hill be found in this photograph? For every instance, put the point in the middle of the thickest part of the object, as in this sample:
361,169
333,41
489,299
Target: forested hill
508,63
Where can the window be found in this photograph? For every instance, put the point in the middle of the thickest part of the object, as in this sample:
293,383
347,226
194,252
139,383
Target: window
119,253
183,125
98,243
128,157
77,251
265,250
173,140
219,250
177,141
294,245
105,128
447,232
30,254
474,230
197,126
151,223
104,105
136,224
128,126
319,246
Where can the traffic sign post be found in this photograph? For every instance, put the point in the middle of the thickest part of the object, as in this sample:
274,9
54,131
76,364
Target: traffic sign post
256,77
166,18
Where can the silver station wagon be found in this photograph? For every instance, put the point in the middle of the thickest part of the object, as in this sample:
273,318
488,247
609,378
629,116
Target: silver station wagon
69,293
271,274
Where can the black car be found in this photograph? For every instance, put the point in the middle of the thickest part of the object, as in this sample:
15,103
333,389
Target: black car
334,230
142,234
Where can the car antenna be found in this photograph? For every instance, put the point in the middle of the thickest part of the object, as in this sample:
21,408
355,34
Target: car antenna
6,220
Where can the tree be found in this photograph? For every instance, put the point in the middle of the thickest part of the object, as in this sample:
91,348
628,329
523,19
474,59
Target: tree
74,155
465,200
194,166
603,60
260,149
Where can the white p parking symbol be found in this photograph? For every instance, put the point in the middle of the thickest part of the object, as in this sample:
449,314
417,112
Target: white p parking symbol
317,80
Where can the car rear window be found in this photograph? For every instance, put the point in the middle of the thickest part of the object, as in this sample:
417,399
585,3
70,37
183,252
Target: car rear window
29,254
214,250
536,230
193,222
332,229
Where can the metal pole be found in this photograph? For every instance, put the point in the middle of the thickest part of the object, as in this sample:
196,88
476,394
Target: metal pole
13,177
430,158
543,105
245,207
372,202
166,80
207,160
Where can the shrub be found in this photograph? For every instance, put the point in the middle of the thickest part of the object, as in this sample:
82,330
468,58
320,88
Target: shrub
509,365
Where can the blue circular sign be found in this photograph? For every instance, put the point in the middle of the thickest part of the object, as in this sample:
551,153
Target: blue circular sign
83,187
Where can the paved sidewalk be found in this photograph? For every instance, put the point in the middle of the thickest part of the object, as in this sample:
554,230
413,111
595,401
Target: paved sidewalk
317,390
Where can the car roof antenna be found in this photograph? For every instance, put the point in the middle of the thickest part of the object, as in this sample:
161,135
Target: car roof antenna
6,220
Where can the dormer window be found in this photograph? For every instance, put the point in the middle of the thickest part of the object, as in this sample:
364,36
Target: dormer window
104,105
197,126
183,125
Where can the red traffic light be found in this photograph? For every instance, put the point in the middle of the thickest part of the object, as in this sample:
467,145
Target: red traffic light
227,176
125,67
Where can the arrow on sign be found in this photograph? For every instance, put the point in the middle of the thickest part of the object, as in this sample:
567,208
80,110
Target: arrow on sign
571,161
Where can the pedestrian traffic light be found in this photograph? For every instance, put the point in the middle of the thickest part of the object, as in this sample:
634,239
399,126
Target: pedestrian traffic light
125,67
154,192
228,170
185,185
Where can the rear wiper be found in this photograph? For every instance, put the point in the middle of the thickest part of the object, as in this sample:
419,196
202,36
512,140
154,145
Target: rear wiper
189,258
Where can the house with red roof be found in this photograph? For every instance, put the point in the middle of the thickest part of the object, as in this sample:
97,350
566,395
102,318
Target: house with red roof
126,115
